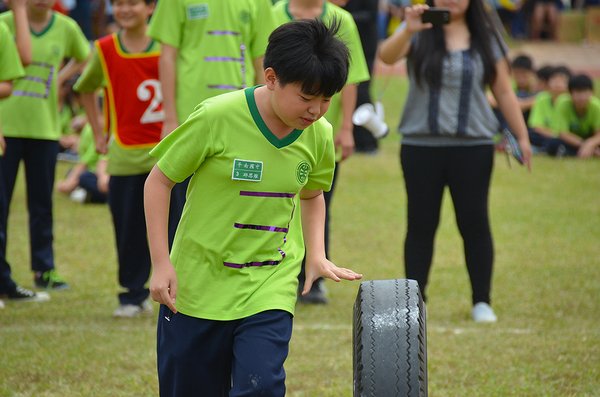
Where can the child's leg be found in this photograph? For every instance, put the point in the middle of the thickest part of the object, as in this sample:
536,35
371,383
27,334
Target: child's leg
260,347
9,166
39,158
194,355
126,201
89,181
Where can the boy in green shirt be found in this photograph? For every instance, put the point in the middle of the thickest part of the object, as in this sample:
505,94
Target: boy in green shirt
577,121
13,56
260,160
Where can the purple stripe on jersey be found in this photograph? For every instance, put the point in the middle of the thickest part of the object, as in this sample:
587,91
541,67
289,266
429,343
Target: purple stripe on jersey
29,94
35,79
223,33
259,227
251,264
223,59
224,87
266,194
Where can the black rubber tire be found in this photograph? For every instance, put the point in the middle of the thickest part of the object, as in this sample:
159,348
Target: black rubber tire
390,340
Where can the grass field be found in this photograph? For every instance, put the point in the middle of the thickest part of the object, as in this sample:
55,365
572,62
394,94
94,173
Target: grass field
546,291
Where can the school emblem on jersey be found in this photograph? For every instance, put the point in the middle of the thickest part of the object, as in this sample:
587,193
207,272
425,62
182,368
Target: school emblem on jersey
302,170
247,170
199,11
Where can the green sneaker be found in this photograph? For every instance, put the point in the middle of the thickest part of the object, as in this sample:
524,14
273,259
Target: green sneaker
50,280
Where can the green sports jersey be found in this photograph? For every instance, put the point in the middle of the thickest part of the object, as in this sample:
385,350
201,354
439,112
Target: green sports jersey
61,39
121,161
358,71
542,111
238,246
10,62
567,120
216,41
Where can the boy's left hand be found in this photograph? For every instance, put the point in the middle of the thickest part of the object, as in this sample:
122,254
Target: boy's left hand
324,268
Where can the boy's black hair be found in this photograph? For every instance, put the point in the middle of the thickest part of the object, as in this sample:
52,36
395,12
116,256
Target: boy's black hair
580,82
545,72
427,57
560,69
522,62
307,52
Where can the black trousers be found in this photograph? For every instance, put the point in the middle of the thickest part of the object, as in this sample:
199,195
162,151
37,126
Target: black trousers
39,159
126,202
467,173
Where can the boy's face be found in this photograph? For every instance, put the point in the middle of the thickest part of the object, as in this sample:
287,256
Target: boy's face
297,109
523,78
581,98
558,83
40,6
131,14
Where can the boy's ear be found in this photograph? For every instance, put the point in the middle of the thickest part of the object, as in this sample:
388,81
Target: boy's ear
270,78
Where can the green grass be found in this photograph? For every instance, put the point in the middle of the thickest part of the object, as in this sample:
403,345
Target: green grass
546,291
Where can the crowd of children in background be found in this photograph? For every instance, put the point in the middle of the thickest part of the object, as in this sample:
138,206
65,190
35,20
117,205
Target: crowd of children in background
560,109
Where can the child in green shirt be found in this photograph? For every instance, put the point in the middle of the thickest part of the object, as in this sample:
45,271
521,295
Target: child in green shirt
32,136
260,160
577,121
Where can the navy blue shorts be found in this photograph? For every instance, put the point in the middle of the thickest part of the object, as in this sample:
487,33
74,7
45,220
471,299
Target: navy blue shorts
198,357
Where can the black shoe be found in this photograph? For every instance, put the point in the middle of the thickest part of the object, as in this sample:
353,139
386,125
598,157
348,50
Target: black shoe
315,296
50,280
21,294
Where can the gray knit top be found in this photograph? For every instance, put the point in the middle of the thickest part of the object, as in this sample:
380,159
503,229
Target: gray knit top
457,114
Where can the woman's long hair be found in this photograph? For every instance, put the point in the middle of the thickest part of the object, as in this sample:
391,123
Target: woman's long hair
428,53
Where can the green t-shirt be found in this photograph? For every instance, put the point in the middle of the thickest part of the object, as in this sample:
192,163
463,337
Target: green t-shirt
121,161
61,39
238,246
542,111
358,71
10,62
216,41
567,120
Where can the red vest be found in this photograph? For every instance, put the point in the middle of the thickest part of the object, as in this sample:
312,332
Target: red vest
133,100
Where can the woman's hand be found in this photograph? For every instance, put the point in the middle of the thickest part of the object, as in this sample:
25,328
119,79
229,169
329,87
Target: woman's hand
413,18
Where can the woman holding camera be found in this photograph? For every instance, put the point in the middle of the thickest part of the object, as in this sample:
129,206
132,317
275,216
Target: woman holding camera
448,131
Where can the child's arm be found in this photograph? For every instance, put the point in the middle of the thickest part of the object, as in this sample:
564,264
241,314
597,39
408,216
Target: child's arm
259,77
507,102
345,137
2,143
68,185
102,175
6,88
397,46
157,195
167,74
312,206
90,104
22,32
589,147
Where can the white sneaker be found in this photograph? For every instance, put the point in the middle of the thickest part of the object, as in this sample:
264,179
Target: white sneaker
483,313
144,309
79,195
1,305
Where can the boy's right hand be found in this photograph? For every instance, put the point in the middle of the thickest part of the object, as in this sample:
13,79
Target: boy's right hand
413,17
101,145
163,285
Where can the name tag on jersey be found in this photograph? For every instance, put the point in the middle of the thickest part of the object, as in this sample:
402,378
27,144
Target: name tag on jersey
199,11
247,170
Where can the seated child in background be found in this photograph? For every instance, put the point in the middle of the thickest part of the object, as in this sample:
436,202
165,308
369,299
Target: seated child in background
543,74
72,119
577,121
525,82
543,110
87,181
